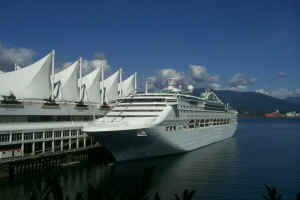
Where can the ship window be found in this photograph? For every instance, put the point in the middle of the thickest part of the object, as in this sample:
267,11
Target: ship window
197,123
167,128
215,122
191,124
206,122
141,100
174,128
202,123
171,100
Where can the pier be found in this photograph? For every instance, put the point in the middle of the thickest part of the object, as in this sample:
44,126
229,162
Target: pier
23,151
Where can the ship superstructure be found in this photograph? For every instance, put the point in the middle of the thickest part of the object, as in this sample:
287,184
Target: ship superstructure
155,124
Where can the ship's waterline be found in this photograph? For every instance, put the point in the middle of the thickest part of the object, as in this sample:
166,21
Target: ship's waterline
130,145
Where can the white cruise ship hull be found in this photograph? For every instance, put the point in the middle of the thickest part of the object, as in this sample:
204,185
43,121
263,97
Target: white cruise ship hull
155,141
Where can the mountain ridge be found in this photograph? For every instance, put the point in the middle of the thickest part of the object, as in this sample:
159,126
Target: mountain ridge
293,100
252,103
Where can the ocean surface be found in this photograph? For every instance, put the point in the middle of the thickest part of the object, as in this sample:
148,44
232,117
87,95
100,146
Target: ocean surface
263,151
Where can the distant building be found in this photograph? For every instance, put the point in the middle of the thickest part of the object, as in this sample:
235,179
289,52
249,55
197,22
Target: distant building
292,114
274,114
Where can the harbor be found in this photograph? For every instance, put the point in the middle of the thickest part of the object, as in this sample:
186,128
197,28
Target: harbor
214,172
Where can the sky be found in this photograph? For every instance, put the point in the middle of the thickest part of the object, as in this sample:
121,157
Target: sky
233,44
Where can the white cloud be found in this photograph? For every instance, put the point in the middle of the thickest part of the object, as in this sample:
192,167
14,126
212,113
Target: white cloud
216,86
262,91
160,79
10,56
87,65
197,76
283,93
90,65
199,73
240,82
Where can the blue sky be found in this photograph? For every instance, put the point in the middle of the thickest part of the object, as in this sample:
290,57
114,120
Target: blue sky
252,43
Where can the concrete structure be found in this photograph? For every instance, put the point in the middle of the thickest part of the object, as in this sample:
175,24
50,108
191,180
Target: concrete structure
17,144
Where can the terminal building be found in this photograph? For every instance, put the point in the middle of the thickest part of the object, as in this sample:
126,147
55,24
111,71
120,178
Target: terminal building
43,111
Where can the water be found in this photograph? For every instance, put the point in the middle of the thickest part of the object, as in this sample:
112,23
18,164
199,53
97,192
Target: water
263,151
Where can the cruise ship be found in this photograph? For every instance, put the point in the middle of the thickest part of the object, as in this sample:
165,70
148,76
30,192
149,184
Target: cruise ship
38,104
168,122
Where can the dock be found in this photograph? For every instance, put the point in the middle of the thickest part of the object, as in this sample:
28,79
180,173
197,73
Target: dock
21,151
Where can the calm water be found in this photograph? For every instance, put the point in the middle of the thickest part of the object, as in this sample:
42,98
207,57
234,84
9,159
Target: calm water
262,151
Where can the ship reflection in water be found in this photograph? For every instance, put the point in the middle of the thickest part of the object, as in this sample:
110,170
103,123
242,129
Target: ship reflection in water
197,170
172,174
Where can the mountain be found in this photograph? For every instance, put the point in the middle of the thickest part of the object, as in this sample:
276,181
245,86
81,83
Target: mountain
253,103
293,100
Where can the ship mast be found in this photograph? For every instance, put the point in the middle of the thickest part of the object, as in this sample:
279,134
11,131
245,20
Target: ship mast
102,81
52,79
80,78
120,85
135,82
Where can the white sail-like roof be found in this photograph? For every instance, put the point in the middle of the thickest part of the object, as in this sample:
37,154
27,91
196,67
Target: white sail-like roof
92,87
127,87
111,87
30,82
68,89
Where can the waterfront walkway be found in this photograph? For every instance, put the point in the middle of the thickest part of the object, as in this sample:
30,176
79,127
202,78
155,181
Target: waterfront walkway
31,144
